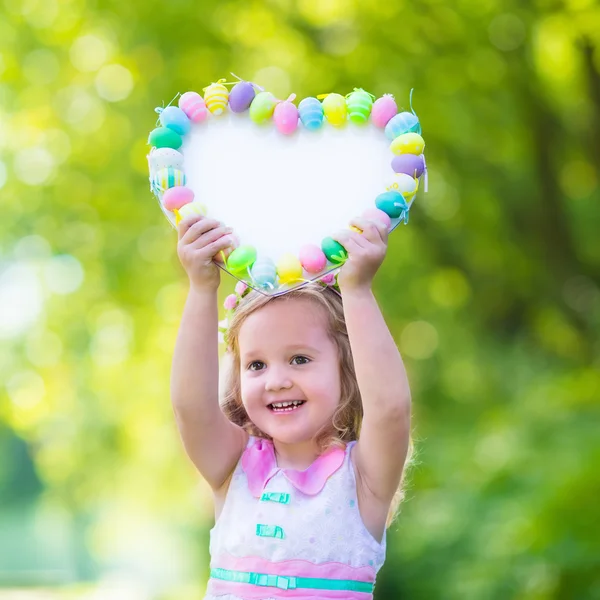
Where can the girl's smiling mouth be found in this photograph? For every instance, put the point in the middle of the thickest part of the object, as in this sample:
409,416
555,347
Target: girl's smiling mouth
280,407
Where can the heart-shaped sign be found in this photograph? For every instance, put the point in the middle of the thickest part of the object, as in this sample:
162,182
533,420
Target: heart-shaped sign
285,178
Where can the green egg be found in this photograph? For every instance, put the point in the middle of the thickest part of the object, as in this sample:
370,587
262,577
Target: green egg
359,106
262,107
241,259
334,251
391,203
163,137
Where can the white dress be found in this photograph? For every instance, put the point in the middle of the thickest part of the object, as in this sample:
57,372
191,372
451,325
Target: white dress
292,534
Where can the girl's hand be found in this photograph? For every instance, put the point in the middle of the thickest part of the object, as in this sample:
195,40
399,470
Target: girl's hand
366,252
201,240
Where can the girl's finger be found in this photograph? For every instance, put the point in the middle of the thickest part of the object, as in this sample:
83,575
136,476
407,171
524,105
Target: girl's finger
348,239
215,248
186,223
199,228
210,236
373,231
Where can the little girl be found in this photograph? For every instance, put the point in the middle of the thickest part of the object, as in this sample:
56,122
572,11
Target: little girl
306,454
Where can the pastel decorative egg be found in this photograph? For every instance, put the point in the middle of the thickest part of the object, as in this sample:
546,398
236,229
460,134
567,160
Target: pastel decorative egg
312,258
193,105
176,197
334,251
286,117
163,158
174,118
404,184
404,122
409,163
377,216
264,272
289,269
187,210
216,96
241,259
383,110
408,143
311,113
392,203
168,178
163,137
335,109
359,105
241,96
262,107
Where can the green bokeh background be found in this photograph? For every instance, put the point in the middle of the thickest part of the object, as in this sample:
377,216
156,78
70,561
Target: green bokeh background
492,292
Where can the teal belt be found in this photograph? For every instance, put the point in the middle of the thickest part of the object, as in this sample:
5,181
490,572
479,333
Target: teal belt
291,583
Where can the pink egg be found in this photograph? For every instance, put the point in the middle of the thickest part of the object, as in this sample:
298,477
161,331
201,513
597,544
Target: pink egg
374,214
176,197
312,258
383,110
286,117
193,105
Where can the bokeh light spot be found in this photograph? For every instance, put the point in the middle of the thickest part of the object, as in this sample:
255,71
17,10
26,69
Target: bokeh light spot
419,340
34,166
63,274
114,83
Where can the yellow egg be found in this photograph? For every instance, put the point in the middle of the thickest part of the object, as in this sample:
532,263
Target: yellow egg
187,210
289,269
216,97
408,143
335,109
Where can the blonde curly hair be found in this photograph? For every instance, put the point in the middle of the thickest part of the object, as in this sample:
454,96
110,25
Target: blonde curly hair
347,418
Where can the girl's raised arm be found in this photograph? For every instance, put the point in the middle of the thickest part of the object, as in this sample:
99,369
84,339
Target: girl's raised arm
382,448
213,443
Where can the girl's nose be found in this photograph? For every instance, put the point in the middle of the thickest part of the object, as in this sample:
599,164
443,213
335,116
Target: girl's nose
277,380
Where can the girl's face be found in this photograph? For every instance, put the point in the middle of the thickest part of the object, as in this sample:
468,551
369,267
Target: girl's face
289,370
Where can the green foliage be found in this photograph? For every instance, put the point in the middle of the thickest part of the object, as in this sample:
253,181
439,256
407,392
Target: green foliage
492,291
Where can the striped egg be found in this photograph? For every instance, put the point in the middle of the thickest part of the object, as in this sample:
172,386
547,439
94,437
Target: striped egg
168,178
311,113
216,96
264,273
194,208
359,105
408,143
193,105
163,158
335,109
163,137
404,122
174,118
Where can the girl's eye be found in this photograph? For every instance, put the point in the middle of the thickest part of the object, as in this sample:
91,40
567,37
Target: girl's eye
300,360
257,365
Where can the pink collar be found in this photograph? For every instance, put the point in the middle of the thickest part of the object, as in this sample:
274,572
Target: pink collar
260,466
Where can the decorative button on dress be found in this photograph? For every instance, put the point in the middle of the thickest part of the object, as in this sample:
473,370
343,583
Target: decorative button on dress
284,533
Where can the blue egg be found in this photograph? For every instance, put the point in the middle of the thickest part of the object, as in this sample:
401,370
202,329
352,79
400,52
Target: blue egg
174,118
264,273
404,122
311,113
392,204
